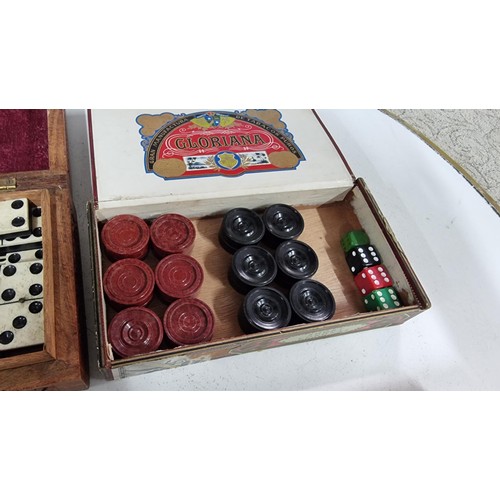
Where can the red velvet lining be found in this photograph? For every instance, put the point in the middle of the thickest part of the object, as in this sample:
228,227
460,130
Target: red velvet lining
24,140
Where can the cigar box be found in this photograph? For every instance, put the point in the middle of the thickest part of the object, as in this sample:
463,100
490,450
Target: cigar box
201,164
41,343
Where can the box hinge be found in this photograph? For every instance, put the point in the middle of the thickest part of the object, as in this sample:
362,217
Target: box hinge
8,184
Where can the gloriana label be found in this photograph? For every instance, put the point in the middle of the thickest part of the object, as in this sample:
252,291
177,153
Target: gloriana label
217,143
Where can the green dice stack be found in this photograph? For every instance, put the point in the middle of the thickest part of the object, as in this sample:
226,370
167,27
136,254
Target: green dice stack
354,239
383,298
376,300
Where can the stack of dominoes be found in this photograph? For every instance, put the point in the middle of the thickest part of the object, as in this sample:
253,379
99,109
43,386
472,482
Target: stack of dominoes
21,275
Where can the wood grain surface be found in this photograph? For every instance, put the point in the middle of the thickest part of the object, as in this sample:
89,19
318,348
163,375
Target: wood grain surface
63,362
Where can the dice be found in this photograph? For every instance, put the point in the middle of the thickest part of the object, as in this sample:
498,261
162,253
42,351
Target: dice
362,256
353,239
382,299
370,276
373,278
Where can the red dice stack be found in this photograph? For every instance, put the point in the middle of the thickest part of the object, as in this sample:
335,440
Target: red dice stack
373,278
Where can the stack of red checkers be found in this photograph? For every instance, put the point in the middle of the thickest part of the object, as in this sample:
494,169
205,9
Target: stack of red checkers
178,276
129,283
188,321
172,233
134,331
125,237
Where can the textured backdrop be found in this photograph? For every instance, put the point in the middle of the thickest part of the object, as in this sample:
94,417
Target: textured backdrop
469,139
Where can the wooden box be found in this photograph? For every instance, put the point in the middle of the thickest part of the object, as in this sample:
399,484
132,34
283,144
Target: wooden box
37,170
148,163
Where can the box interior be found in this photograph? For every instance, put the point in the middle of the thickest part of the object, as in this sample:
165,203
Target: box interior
324,225
24,140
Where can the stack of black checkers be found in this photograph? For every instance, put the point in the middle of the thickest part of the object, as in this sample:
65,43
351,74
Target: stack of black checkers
273,269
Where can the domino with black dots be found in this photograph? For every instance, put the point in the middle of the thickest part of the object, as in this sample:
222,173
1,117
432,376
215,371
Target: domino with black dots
21,276
15,218
21,324
21,288
32,237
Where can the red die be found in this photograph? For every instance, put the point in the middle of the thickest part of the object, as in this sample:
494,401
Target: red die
373,278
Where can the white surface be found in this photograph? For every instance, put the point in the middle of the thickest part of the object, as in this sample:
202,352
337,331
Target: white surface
451,237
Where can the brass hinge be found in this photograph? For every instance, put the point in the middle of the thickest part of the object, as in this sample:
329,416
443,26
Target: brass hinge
7,184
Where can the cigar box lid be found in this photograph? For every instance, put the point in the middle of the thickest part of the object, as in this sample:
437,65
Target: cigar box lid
177,155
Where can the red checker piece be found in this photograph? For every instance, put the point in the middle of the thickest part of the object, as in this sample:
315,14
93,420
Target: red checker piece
129,283
172,233
178,276
188,321
373,278
135,330
125,237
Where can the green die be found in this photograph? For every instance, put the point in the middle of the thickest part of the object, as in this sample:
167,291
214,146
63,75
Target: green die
354,239
382,299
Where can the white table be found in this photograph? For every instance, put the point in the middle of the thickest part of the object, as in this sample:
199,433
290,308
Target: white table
452,238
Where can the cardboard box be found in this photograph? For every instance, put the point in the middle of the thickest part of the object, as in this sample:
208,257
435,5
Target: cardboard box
201,164
34,167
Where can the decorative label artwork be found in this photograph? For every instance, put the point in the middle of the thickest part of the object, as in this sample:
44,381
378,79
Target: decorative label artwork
217,143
